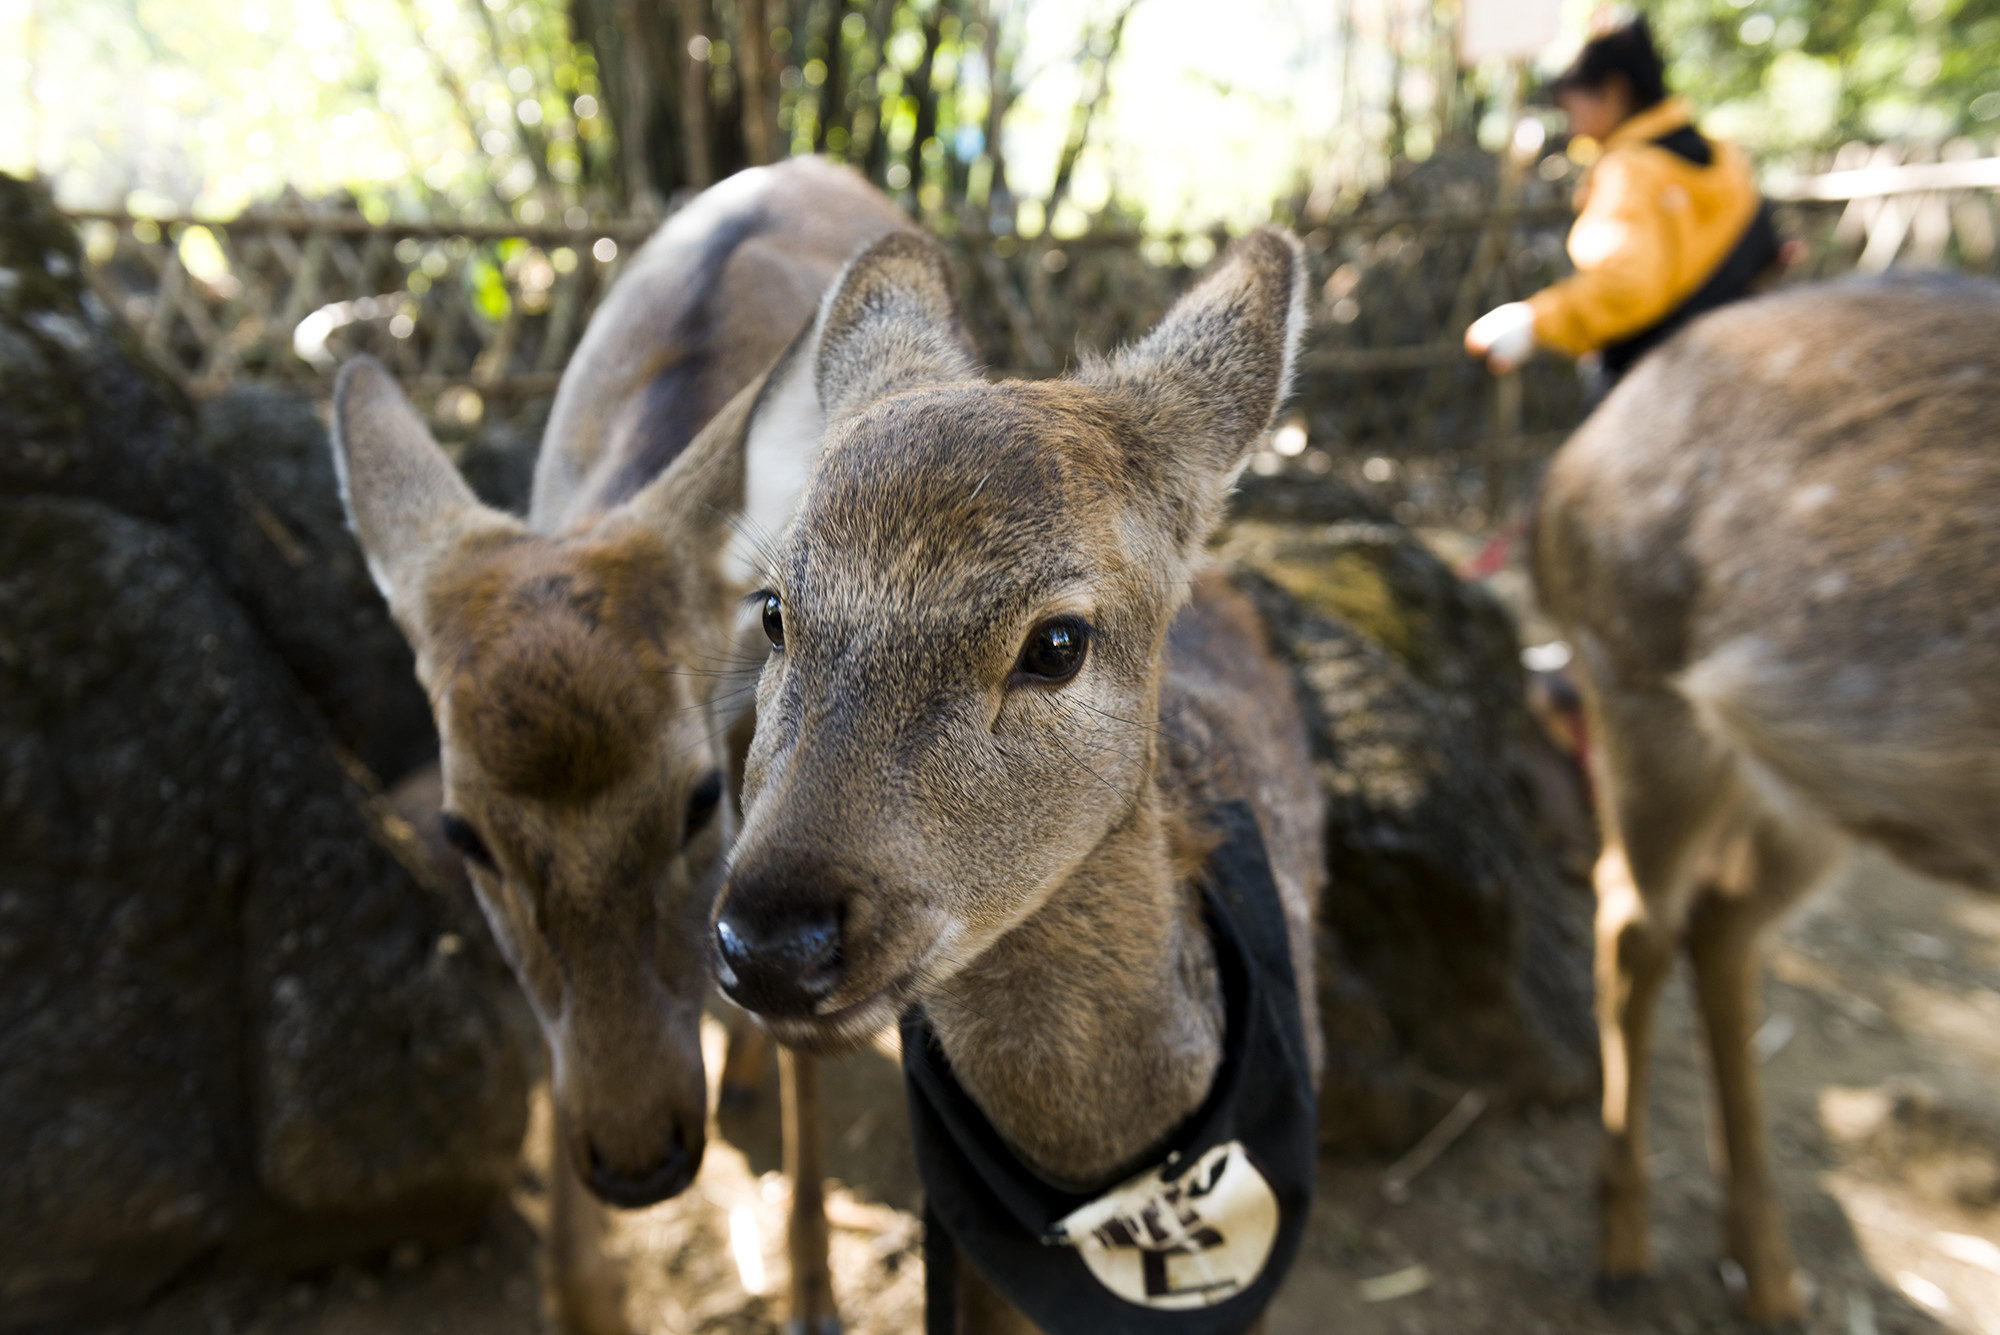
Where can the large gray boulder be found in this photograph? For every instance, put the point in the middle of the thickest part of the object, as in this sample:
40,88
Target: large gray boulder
249,485
239,1022
311,594
1457,937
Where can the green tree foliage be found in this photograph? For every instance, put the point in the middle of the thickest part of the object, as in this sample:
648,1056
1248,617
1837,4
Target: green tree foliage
1786,76
540,110
533,109
413,106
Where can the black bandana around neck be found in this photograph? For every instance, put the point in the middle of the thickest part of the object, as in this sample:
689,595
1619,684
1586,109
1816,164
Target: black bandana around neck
1193,1245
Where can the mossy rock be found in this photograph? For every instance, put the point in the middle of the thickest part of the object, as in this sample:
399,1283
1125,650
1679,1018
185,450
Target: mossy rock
1376,578
1452,892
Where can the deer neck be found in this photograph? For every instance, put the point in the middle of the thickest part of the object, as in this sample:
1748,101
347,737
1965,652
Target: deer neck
1093,1029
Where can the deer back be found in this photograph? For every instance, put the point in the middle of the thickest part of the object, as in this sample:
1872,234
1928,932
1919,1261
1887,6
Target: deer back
706,304
1789,517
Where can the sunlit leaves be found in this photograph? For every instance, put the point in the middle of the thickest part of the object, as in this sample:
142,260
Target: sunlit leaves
495,108
403,105
1791,75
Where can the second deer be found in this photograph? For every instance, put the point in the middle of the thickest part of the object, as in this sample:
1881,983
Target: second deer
582,668
1776,550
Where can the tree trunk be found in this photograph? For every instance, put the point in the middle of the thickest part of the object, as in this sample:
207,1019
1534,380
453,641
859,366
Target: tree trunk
635,112
1086,110
925,97
753,67
875,158
694,96
833,93
999,200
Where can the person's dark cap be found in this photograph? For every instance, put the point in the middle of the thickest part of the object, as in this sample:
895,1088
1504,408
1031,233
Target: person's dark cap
1625,52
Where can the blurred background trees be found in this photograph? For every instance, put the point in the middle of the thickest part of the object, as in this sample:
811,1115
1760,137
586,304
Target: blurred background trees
999,114
1081,157
1783,75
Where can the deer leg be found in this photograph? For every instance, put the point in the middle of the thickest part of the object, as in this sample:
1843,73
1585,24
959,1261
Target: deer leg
1634,953
1723,946
743,1061
803,1108
584,1285
1761,873
1659,787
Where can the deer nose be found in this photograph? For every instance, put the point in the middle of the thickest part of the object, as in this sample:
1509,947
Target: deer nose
781,960
667,1178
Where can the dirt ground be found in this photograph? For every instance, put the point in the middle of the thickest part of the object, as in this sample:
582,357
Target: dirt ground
1883,1062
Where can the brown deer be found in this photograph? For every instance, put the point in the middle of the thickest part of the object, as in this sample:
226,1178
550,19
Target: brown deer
1001,696
1776,548
582,663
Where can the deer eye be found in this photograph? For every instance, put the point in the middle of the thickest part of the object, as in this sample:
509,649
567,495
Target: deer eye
1054,650
461,836
703,801
774,620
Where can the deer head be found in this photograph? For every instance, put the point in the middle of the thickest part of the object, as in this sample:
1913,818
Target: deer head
966,621
580,683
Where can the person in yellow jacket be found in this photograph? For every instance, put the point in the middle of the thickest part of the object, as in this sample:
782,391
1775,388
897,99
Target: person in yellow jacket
1669,225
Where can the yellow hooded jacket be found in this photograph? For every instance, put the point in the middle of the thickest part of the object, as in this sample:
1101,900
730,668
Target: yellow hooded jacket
1651,227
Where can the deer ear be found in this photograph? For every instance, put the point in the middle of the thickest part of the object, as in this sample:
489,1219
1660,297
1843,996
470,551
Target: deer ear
1205,384
733,489
890,322
405,501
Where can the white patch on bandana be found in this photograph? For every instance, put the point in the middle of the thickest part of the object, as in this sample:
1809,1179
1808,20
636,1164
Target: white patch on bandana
1196,1241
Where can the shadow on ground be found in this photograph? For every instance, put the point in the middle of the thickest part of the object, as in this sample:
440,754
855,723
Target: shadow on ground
1884,1064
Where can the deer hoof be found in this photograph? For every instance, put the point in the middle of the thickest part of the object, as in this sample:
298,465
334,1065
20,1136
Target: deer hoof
1779,1309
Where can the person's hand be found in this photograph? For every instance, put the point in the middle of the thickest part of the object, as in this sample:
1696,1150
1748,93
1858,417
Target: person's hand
1504,336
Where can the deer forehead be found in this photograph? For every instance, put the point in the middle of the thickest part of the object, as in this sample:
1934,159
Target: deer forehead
967,494
559,660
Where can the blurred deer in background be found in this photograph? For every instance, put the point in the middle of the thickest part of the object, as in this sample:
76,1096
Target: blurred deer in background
1776,550
1001,701
583,670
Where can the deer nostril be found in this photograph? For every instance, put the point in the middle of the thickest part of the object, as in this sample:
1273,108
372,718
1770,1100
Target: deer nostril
779,961
811,948
734,949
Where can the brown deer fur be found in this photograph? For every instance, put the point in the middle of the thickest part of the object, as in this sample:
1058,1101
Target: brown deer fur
582,664
1013,855
1776,548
